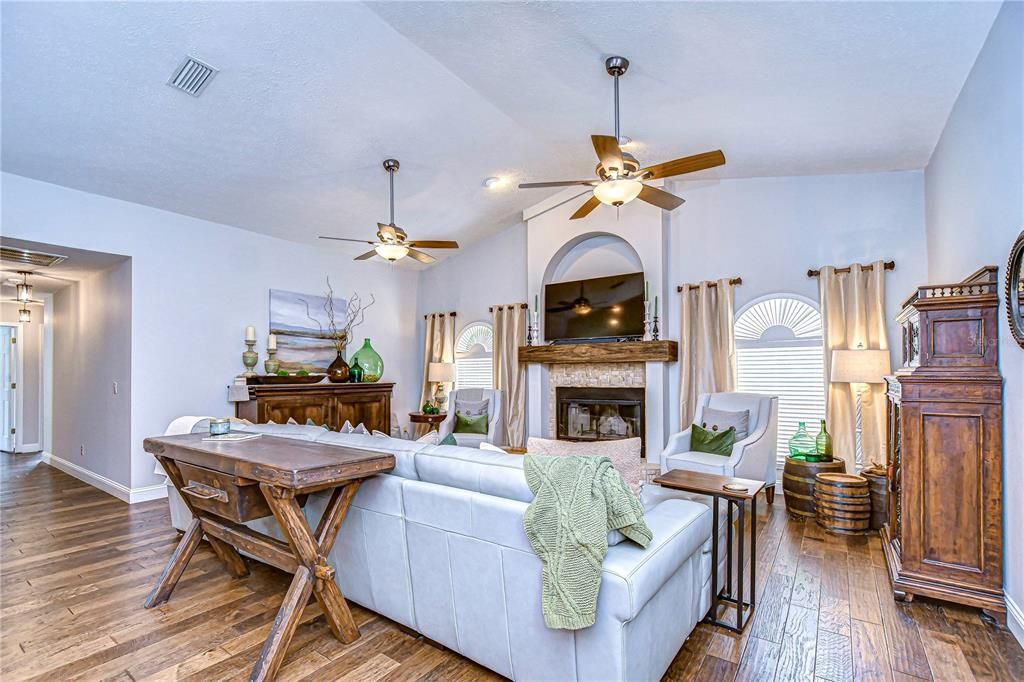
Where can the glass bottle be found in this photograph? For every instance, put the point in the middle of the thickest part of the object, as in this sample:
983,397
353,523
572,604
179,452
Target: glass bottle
801,445
372,364
823,444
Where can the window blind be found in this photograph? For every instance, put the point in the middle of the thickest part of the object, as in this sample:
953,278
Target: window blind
473,373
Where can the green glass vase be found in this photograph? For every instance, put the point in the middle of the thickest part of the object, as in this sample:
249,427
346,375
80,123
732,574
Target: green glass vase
823,444
802,445
371,362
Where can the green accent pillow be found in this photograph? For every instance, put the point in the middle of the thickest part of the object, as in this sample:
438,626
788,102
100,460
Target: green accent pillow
477,424
703,440
448,440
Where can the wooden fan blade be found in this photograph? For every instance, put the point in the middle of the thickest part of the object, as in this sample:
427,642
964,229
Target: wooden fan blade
366,256
660,198
607,148
421,257
584,210
563,183
387,232
433,244
346,239
687,164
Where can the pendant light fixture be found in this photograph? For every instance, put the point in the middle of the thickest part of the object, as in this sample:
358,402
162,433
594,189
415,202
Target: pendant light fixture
24,315
24,289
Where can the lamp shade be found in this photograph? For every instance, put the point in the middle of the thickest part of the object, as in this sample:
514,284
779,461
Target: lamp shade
441,372
860,366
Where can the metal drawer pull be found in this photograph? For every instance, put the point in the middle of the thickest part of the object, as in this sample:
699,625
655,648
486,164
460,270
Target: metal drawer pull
205,492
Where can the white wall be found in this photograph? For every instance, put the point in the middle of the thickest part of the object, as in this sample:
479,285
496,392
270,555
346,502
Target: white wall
195,286
92,349
30,375
769,231
974,199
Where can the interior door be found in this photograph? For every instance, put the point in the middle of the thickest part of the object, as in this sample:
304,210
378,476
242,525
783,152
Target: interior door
9,378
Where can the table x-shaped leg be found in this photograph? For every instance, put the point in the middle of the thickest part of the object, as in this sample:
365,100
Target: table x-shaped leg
314,574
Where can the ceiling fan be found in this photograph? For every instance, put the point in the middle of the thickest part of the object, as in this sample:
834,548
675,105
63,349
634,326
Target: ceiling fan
392,241
620,178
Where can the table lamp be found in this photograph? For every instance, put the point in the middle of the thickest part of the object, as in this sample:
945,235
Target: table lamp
860,366
441,374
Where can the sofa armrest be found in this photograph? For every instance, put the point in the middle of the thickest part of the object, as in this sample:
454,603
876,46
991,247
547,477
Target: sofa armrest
631,575
679,442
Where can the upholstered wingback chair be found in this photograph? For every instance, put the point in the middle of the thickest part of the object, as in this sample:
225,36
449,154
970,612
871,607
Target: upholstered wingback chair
495,420
753,457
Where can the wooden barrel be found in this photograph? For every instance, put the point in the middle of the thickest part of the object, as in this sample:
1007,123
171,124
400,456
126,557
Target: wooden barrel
798,483
843,502
878,485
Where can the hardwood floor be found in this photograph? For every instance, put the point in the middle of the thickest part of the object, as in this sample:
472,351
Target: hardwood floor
76,565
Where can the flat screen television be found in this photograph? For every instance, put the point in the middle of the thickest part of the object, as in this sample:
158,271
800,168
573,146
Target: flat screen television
599,308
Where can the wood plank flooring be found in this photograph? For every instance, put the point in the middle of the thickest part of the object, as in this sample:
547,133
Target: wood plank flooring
76,564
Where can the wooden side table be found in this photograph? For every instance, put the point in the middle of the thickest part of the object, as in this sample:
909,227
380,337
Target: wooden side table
432,419
225,484
712,485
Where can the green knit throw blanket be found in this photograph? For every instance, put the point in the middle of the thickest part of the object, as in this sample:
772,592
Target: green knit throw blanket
577,500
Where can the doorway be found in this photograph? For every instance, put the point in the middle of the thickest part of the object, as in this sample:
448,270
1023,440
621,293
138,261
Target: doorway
8,387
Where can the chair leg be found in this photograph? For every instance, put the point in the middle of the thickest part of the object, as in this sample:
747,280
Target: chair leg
769,494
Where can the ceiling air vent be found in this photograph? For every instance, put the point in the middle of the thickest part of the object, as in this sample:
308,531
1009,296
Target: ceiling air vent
30,257
192,76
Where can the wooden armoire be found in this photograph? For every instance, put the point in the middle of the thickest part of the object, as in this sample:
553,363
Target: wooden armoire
943,538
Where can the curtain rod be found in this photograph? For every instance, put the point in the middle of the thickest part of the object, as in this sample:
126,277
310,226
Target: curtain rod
734,281
440,314
524,306
888,265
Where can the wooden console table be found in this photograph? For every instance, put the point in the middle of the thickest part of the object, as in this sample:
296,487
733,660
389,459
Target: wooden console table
324,403
226,484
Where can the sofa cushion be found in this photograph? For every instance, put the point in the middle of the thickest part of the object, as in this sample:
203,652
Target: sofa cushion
701,462
482,471
624,454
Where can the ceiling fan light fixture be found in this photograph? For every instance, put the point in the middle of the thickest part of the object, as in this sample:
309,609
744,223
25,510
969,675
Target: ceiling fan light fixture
619,191
24,315
391,252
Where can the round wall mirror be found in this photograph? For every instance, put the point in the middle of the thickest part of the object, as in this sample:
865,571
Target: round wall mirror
1015,290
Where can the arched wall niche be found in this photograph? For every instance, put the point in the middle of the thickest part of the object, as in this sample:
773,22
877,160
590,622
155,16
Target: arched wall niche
594,254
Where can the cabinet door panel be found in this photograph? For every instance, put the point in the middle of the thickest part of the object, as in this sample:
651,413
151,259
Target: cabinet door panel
373,411
280,409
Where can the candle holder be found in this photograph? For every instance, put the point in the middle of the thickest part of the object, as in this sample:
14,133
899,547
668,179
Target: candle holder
647,320
249,358
271,364
654,329
529,335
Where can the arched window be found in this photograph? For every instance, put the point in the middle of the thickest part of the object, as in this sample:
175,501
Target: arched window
473,356
779,351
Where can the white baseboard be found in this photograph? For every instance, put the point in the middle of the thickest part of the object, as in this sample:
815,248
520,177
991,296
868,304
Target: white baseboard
118,490
1014,619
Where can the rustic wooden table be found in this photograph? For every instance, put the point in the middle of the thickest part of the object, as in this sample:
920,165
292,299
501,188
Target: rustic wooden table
226,484
714,485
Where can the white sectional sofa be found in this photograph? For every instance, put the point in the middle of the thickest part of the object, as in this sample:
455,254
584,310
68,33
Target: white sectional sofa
438,545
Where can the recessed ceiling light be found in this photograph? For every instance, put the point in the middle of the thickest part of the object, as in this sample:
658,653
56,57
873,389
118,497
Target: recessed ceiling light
493,182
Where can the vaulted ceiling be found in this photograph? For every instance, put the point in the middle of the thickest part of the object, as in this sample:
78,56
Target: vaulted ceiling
288,138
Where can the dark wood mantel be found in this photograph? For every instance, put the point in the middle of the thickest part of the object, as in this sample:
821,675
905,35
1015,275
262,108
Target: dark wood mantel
590,353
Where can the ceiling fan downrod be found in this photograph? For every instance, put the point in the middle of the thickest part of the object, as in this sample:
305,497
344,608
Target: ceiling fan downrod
391,166
616,66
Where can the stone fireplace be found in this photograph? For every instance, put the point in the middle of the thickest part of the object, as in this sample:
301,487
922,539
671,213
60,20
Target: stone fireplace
587,414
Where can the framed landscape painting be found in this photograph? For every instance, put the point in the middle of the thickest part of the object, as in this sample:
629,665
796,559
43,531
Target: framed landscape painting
300,323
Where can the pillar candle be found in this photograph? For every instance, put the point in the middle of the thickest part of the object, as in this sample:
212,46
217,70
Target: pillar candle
250,333
647,290
536,303
655,306
272,342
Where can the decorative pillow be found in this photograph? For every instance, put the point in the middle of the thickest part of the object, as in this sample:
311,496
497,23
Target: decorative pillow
467,424
471,408
380,434
703,440
718,421
492,447
448,440
624,454
348,428
428,437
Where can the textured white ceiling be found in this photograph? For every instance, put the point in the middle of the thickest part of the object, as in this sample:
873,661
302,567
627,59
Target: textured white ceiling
288,138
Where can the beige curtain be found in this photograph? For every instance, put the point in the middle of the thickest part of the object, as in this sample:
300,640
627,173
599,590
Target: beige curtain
707,345
509,376
439,346
853,316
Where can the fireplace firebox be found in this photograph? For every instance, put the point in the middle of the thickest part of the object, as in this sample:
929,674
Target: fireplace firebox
596,414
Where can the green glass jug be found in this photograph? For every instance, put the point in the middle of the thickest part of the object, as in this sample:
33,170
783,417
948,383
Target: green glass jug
802,445
371,362
823,444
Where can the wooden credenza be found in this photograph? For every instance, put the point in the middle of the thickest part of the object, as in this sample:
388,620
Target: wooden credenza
323,403
943,538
